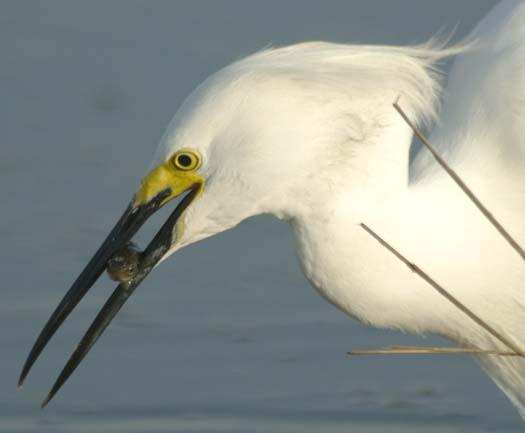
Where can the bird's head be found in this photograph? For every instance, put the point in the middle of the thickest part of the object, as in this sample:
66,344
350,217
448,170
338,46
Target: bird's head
272,133
236,142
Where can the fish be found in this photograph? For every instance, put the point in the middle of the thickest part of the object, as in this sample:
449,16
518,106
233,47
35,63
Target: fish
124,265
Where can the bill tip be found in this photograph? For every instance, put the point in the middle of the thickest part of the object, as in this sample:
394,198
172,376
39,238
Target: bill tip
45,402
21,380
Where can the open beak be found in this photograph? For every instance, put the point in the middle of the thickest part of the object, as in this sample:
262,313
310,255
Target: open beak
129,223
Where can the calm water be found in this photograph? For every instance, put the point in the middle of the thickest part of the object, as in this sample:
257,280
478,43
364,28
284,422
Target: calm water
227,336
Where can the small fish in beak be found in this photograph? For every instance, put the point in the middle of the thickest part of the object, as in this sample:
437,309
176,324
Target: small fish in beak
124,265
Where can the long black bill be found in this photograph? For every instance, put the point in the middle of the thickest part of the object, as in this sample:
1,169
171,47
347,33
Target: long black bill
125,228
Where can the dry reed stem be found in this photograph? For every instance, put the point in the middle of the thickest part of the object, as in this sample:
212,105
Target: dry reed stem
443,292
417,350
506,235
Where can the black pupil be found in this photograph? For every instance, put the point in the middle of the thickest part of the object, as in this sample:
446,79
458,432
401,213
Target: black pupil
184,160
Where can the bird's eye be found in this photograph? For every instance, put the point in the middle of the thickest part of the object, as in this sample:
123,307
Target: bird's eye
186,160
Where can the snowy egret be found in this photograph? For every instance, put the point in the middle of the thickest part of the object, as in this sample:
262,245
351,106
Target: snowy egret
308,133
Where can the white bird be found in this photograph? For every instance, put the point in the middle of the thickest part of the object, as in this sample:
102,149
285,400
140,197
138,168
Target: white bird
308,134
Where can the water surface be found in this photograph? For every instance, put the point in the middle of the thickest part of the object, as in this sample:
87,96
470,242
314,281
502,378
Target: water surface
227,336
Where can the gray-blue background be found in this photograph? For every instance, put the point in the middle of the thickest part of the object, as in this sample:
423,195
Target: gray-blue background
227,336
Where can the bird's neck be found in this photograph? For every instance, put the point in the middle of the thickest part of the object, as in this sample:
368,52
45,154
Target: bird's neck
336,254
434,226
358,275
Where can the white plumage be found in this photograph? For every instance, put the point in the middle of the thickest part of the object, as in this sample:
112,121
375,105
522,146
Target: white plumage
308,133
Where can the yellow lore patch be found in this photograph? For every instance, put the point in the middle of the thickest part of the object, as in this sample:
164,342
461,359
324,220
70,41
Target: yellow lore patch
166,176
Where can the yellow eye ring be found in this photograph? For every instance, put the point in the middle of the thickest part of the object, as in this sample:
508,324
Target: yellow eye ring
186,160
